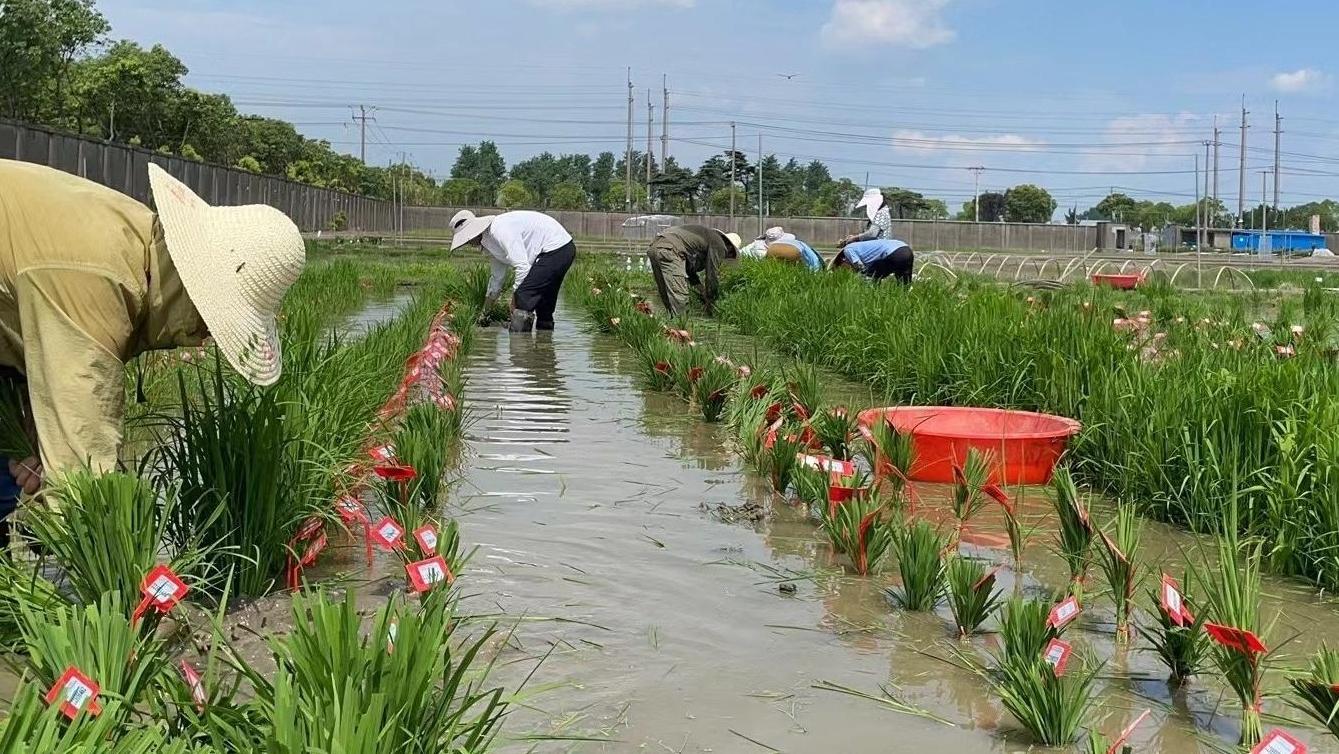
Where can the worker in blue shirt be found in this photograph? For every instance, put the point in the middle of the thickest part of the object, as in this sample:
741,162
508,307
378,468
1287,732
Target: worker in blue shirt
878,259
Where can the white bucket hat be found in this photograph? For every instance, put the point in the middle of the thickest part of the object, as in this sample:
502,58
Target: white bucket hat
735,241
872,201
466,226
236,263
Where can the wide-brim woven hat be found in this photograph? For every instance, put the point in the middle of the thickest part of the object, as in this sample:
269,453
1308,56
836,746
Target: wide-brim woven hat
735,241
872,201
466,226
236,263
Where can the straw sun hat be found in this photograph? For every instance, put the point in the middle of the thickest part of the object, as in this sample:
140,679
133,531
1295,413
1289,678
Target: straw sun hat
466,226
236,264
734,240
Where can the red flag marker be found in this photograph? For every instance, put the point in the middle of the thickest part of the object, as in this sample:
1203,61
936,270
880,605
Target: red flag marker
382,453
1174,603
1279,742
195,684
424,574
999,495
162,590
426,536
1129,730
1057,655
1063,613
695,373
759,391
74,691
388,533
351,510
1244,642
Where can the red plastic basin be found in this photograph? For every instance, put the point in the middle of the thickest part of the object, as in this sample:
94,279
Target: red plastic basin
1123,282
1025,446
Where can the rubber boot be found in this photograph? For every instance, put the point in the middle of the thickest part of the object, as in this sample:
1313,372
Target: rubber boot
522,322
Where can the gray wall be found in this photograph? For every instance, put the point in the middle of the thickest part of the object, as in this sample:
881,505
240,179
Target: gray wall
825,231
125,168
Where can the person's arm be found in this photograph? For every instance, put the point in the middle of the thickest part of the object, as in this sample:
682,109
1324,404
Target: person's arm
496,279
513,248
711,285
75,329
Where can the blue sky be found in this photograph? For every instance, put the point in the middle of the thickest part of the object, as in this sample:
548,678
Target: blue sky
1077,97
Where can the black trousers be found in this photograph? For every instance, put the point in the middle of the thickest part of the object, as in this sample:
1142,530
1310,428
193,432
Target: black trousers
539,292
898,264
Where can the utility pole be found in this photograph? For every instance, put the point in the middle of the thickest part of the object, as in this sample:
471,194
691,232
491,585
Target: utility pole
1217,142
760,192
1241,168
1264,209
1199,224
1278,141
976,190
664,122
362,117
1208,207
627,158
732,175
650,125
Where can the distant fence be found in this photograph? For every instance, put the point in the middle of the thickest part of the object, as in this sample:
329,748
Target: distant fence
826,231
126,169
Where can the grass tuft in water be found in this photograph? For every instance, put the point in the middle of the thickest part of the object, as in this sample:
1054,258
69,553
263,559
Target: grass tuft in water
971,593
1318,690
920,561
1117,553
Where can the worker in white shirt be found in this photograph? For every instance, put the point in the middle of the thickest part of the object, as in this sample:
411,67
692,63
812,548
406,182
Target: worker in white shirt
536,246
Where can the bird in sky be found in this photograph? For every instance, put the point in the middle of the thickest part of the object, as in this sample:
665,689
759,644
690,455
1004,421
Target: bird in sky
788,76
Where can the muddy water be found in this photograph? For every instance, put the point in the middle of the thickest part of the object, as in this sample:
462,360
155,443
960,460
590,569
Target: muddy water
666,627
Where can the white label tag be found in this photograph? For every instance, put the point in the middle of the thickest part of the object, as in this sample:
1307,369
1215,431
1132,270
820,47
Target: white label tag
429,540
162,589
1278,745
1172,598
1054,655
1065,611
389,532
431,573
77,693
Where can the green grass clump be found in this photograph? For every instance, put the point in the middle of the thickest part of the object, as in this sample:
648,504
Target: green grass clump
971,593
1118,552
1052,709
1024,632
1074,537
920,561
858,530
1318,691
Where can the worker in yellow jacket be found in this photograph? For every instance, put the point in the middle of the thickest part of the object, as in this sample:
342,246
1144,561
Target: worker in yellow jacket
90,278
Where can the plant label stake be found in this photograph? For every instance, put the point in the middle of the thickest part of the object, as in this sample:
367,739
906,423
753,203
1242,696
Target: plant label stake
351,510
388,533
1129,730
1174,604
75,691
427,539
162,590
195,684
1057,655
426,573
1279,742
1237,639
382,453
1063,613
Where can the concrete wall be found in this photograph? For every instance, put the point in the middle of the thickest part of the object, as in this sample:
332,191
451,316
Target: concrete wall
824,231
125,168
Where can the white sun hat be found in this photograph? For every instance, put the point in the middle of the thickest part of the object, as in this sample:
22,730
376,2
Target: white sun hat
777,235
735,241
236,263
466,226
872,201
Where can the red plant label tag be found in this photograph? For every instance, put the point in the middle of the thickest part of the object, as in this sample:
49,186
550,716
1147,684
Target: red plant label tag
395,472
382,453
195,684
309,529
388,533
758,392
1063,613
1129,731
695,374
998,494
163,588
1244,642
1174,604
1279,742
427,539
74,691
314,549
825,463
1057,655
351,510
424,574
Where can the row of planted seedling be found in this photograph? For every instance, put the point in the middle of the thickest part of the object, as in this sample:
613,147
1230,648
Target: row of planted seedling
1187,399
854,480
101,671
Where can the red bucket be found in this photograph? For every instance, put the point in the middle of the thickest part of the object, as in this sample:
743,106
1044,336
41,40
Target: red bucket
1025,445
1123,282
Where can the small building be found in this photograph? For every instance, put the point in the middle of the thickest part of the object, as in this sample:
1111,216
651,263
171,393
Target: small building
1283,241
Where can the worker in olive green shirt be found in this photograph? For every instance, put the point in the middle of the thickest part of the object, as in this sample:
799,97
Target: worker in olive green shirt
686,254
90,278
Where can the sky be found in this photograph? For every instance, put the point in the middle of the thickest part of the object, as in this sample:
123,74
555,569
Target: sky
1080,98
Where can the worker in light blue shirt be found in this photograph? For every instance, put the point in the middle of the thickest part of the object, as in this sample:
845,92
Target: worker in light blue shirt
785,247
878,259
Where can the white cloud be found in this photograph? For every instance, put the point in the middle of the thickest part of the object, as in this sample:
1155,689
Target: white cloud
919,141
610,4
1300,80
1133,142
916,24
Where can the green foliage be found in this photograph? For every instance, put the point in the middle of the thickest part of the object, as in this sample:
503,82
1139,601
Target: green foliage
1318,691
969,482
1074,537
107,531
514,195
1050,709
1024,632
1118,552
1028,204
971,593
1183,649
890,453
836,429
920,561
424,440
858,530
712,389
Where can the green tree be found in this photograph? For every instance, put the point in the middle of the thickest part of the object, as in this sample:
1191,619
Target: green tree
39,42
602,176
1028,204
675,187
131,90
992,208
249,164
483,165
719,200
568,195
461,192
1115,206
614,197
514,195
